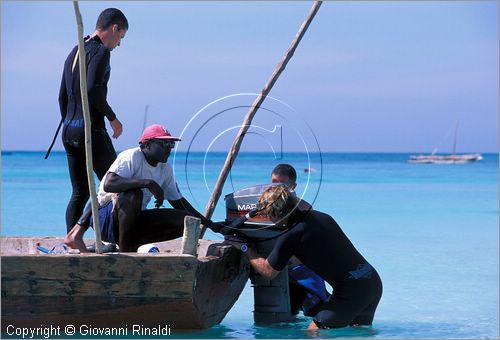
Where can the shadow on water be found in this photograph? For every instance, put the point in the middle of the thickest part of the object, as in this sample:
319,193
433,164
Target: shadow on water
285,330
291,331
387,329
279,331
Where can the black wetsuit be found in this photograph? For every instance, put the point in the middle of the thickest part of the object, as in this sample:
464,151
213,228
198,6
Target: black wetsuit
320,244
73,135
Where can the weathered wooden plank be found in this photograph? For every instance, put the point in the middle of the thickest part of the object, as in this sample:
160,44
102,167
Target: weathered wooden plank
114,287
103,312
100,267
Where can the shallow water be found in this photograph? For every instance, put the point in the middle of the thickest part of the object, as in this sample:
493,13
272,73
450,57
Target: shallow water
430,230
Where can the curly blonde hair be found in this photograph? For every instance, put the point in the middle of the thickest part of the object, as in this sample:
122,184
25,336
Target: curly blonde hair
277,202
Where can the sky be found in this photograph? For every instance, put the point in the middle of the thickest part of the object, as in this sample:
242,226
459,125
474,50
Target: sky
367,77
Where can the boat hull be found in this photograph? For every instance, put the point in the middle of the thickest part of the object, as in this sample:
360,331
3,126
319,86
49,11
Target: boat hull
445,159
120,290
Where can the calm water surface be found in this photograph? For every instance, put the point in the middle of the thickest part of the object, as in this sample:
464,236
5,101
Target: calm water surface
430,230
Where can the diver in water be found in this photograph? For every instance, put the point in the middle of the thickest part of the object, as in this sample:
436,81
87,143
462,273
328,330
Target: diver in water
307,289
320,244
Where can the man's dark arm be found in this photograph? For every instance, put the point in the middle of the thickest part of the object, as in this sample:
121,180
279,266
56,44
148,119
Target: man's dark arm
183,204
258,262
115,183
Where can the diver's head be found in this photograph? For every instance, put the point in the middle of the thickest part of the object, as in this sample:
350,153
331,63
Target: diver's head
278,202
284,173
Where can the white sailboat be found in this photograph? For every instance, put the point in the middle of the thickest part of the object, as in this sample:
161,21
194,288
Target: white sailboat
453,158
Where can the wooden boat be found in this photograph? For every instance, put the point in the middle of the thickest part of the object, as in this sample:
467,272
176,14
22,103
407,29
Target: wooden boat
118,290
453,158
445,159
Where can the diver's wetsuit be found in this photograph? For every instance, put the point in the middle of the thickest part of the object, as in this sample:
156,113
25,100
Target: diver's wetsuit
73,135
318,241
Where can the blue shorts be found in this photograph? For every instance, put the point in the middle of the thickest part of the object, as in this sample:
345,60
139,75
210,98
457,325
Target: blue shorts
313,286
106,222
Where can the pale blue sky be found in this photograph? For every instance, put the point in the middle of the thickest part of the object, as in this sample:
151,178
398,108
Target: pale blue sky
368,76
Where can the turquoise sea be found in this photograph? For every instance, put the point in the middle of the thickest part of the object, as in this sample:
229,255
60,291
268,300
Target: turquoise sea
430,230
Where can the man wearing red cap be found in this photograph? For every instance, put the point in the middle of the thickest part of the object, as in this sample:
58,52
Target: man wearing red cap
136,176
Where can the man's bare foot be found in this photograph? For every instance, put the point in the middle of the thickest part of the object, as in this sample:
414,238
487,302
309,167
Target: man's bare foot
312,326
74,239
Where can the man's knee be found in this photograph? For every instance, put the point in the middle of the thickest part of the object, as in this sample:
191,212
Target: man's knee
130,199
332,319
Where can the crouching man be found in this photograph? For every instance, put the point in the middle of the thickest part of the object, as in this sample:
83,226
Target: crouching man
135,177
320,244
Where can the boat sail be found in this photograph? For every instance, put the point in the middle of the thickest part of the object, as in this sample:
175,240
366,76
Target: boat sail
453,158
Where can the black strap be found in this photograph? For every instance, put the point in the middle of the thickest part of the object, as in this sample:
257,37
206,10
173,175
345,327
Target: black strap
54,140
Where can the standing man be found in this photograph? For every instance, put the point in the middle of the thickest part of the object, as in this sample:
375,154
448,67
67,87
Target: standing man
136,176
111,27
320,244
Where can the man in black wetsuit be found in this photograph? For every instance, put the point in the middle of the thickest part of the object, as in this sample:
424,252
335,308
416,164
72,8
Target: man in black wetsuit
111,27
320,244
307,290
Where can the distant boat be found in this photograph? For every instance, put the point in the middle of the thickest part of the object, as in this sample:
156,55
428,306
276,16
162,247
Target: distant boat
446,159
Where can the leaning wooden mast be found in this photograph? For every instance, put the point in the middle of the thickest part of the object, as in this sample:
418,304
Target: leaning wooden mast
235,148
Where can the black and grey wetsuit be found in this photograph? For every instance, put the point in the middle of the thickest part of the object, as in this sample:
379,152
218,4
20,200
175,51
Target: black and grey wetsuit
73,136
319,243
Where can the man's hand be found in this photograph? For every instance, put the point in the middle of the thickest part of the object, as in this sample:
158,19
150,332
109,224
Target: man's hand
117,127
234,241
157,192
216,227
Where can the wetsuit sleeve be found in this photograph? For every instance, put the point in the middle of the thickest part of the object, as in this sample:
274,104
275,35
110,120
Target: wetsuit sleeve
96,82
282,251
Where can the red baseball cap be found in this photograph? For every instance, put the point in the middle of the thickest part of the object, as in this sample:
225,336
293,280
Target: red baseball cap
157,131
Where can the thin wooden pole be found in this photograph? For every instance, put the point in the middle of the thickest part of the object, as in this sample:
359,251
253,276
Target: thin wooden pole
235,148
145,117
455,138
88,133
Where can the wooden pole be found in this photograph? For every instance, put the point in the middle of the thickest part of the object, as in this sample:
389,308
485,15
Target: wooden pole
145,117
235,148
88,133
191,235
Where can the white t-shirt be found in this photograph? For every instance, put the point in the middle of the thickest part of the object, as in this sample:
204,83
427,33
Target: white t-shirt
131,163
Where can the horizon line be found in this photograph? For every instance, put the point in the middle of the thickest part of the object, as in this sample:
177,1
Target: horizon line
285,152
